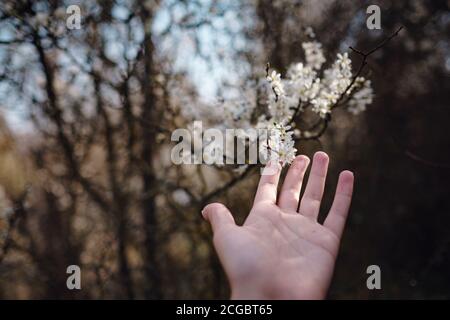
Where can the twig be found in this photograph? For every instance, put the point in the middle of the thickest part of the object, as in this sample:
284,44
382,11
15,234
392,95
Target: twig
365,55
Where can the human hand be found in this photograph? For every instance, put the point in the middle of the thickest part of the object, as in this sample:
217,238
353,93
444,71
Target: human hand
279,252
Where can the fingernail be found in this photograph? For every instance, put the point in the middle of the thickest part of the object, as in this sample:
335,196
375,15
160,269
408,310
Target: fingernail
321,156
302,161
348,173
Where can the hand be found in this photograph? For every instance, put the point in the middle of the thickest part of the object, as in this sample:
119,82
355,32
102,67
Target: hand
279,252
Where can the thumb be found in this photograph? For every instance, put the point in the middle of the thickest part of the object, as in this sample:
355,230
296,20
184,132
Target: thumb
218,216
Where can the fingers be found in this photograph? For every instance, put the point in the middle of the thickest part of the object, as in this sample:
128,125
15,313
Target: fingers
310,203
290,192
218,216
341,203
267,187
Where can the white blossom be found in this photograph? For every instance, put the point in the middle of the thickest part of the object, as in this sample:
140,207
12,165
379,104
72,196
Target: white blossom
275,80
280,144
313,54
335,82
361,98
321,106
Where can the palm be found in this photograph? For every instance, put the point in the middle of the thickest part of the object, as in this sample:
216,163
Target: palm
279,252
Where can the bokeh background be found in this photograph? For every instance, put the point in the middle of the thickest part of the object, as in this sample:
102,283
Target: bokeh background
86,117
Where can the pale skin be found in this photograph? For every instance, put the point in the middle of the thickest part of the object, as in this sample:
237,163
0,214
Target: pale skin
281,251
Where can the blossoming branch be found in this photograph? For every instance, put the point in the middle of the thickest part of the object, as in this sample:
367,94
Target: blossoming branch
277,102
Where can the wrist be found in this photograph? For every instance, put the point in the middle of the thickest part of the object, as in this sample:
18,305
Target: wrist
252,292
